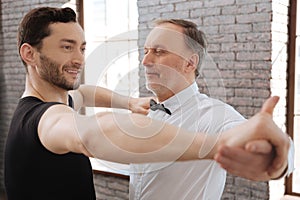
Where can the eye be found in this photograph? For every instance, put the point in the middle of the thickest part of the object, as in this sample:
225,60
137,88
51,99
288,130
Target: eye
146,51
67,47
159,51
83,50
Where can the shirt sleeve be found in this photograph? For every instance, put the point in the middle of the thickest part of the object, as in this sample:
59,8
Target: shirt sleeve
291,157
290,165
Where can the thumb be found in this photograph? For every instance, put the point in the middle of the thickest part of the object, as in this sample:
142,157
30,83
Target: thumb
259,146
270,104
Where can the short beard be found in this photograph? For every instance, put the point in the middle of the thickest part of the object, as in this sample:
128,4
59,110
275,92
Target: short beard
50,73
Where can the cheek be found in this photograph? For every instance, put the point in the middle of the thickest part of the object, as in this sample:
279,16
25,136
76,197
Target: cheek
60,58
172,69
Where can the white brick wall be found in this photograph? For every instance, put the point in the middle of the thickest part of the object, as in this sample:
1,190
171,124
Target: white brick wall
243,37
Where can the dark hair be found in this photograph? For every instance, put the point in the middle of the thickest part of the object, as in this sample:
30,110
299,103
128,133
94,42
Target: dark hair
35,25
194,38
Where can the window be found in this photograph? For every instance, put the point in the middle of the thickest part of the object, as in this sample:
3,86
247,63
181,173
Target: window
112,54
111,34
293,121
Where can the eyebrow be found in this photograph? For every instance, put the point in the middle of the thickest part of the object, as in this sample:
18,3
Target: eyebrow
72,41
155,46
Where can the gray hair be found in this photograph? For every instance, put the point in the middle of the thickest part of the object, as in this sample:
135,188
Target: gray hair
194,38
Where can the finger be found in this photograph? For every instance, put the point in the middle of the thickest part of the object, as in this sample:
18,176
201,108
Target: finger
280,143
281,157
270,104
278,163
278,173
143,111
245,164
225,157
234,159
259,146
240,163
230,167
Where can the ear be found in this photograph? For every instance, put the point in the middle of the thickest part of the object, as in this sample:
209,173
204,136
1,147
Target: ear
28,53
192,63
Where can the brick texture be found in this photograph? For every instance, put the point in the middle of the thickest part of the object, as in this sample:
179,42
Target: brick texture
110,187
247,42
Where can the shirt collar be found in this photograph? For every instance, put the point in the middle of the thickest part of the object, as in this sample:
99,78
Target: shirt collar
176,101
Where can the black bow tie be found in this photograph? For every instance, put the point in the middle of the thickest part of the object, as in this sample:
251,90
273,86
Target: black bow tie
156,106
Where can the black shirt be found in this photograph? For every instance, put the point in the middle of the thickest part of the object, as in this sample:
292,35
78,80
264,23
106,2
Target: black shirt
34,173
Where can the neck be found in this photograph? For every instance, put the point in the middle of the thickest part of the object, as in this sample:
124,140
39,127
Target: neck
44,91
163,95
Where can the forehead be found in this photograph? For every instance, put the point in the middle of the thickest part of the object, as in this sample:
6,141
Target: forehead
71,30
168,36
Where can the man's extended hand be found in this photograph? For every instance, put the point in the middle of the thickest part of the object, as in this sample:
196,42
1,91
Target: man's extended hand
247,147
252,164
140,105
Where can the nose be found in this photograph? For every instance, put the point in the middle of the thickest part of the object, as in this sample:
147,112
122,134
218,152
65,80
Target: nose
78,58
148,59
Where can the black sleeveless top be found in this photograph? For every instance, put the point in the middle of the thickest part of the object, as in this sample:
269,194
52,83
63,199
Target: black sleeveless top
34,173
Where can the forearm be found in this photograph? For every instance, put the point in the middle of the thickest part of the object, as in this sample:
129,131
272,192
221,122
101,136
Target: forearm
135,139
95,96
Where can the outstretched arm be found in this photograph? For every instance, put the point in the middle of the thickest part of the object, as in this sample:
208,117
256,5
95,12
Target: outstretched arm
124,138
95,96
129,138
259,159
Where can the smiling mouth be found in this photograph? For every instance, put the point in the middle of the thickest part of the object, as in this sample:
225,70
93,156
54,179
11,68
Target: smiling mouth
74,73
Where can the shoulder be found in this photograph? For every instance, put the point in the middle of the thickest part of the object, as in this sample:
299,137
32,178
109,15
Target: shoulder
33,108
202,101
218,113
57,112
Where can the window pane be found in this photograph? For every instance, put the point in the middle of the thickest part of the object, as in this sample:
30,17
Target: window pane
111,55
296,134
296,173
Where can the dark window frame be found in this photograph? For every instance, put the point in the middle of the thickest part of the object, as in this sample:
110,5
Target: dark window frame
291,84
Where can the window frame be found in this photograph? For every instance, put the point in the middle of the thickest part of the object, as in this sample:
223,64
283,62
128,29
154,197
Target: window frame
291,84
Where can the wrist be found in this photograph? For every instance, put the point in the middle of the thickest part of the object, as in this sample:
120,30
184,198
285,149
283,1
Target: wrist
209,147
124,102
130,103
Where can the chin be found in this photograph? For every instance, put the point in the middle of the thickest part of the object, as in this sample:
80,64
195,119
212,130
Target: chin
154,88
76,86
71,86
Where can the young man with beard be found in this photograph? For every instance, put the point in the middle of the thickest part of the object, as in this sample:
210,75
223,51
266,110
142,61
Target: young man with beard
48,144
173,53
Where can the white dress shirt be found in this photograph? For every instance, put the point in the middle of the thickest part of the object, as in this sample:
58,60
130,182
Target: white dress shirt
189,180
